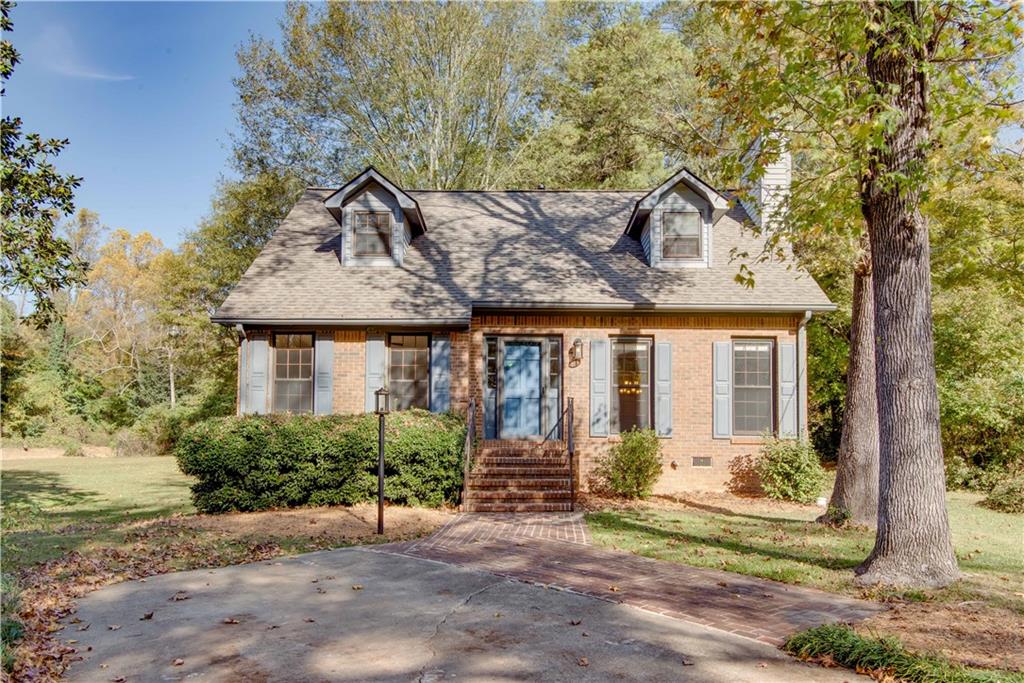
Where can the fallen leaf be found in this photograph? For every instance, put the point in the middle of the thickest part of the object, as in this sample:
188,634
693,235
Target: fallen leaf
613,589
357,587
497,615
687,662
585,634
723,584
309,621
583,661
114,627
179,596
146,617
575,622
84,627
229,620
119,679
762,665
178,662
273,626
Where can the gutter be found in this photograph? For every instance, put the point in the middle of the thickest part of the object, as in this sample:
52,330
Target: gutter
652,307
344,322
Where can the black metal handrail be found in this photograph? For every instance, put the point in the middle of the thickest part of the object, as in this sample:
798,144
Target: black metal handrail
467,447
570,444
570,447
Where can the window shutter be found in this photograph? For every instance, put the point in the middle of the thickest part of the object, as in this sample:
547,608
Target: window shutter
787,390
599,388
721,407
259,351
440,373
323,374
376,368
663,388
243,376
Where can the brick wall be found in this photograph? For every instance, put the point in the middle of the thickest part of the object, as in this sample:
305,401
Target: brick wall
349,371
691,337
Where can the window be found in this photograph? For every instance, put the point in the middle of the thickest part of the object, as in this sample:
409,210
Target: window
409,372
373,233
293,373
681,232
631,384
752,386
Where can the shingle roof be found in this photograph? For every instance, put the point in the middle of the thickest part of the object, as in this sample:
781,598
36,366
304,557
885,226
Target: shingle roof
501,249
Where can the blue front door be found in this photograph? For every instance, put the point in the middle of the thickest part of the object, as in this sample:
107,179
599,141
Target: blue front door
520,405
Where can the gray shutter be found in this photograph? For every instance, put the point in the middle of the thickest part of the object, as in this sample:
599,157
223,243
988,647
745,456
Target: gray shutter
440,373
259,351
787,390
323,375
376,368
663,388
599,388
722,392
243,376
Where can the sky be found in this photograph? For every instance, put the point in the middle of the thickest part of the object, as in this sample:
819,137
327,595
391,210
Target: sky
143,92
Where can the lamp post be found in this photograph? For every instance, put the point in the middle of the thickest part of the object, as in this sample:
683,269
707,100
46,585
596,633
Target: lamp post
381,408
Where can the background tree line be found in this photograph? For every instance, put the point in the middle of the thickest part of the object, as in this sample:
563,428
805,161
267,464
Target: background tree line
565,95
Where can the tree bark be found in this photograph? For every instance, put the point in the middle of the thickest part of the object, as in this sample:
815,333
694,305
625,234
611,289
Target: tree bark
855,494
913,547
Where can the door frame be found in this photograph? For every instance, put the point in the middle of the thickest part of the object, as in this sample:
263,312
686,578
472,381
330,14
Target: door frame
543,340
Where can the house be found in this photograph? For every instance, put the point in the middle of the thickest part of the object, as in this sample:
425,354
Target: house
517,303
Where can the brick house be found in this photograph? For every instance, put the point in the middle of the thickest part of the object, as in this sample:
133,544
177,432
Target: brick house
519,302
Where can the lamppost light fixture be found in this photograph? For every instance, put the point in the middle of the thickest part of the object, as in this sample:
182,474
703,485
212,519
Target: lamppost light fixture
383,402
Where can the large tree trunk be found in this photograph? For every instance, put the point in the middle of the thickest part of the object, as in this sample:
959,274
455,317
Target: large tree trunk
855,494
913,545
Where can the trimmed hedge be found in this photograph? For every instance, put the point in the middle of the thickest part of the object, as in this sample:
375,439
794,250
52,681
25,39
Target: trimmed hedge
274,461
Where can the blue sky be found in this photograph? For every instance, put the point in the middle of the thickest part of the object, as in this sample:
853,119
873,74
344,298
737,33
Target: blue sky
143,91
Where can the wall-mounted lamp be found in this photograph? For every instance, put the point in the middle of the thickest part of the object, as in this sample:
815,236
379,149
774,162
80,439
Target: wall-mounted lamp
576,352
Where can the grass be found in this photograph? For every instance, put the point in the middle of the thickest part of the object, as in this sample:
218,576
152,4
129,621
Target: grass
53,505
844,646
783,543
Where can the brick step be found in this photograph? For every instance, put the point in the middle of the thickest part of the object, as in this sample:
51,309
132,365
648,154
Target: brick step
517,507
503,496
519,472
524,461
520,483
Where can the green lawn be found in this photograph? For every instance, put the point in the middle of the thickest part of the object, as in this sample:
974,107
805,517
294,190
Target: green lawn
787,545
52,505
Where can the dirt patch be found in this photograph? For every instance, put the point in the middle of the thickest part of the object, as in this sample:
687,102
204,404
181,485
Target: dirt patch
969,633
18,453
350,523
710,501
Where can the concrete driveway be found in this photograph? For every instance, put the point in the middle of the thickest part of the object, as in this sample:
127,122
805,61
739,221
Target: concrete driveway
361,615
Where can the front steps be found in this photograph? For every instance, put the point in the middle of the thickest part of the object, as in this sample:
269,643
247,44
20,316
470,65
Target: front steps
519,476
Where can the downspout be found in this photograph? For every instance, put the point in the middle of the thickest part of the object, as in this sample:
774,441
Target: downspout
801,364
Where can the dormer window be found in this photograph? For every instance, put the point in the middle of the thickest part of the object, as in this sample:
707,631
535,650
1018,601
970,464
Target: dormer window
372,233
682,235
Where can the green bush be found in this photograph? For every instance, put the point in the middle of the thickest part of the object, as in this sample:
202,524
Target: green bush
1007,495
789,469
261,462
844,646
632,466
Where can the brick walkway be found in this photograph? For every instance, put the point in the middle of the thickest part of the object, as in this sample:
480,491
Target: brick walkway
554,550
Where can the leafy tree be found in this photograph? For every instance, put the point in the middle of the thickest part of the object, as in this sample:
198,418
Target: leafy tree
35,259
887,81
434,95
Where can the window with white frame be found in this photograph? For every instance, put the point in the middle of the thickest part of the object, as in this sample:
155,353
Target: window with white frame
681,235
293,373
631,385
752,387
409,371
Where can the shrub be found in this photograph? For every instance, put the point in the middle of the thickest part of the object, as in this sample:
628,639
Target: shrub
260,462
632,466
75,450
844,646
1007,495
789,469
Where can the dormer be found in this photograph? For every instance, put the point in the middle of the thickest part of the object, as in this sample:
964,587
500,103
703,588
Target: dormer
673,222
378,220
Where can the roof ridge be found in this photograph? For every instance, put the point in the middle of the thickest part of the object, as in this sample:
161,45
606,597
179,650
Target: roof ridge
331,189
